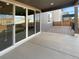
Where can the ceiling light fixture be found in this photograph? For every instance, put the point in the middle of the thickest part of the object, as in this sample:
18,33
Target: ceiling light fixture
51,3
7,4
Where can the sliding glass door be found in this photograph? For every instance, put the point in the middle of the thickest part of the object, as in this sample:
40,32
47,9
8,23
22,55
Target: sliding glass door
31,22
37,18
6,25
20,24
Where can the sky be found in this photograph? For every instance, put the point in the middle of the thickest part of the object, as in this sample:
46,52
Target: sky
70,10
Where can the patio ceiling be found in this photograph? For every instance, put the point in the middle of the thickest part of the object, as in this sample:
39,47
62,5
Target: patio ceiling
48,5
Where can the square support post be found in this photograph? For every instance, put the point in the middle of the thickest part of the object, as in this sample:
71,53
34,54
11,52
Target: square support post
76,16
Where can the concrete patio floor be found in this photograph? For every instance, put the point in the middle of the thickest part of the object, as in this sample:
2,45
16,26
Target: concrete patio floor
47,46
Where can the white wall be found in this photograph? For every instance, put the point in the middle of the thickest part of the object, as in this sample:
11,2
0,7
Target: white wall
57,15
45,25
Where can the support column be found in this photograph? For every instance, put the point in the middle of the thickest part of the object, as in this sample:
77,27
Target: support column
76,16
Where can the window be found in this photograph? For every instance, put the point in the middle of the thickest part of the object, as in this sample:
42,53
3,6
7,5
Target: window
49,17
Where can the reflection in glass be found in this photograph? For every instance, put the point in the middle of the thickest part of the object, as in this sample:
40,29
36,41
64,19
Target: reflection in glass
31,22
20,24
6,25
37,18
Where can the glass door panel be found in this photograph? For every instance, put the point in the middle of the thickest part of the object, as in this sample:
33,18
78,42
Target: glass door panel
37,18
20,21
6,25
31,22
